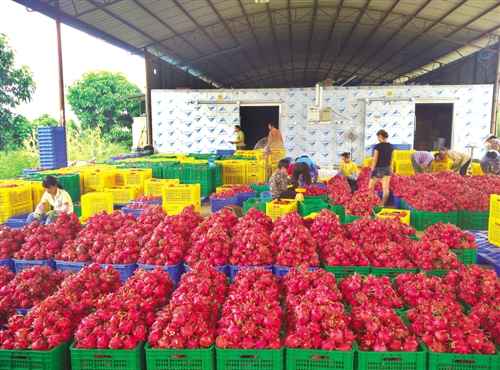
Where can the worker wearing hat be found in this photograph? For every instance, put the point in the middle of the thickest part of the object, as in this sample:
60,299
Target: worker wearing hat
491,142
491,162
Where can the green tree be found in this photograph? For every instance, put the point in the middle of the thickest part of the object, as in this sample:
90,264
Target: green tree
98,100
45,120
16,86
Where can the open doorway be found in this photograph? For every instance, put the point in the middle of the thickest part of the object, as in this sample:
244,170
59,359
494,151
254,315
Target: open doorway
255,122
433,126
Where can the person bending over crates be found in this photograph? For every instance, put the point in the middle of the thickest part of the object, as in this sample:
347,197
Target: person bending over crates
279,181
57,197
461,160
421,161
349,170
491,163
304,166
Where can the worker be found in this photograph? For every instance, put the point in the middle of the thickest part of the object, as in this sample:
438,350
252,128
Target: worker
279,181
382,164
491,163
57,197
275,140
491,142
349,170
304,166
461,160
240,138
422,161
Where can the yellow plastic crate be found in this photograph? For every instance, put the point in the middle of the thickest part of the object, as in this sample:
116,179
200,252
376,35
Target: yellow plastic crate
444,165
234,179
367,161
99,179
37,191
495,206
123,194
223,187
137,177
7,211
236,167
476,169
255,172
154,186
277,155
404,168
120,177
403,155
181,194
174,209
19,195
93,203
393,213
274,210
97,189
494,231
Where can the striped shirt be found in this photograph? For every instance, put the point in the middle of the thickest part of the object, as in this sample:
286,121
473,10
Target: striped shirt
423,157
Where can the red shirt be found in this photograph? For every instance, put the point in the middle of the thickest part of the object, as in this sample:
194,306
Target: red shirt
289,171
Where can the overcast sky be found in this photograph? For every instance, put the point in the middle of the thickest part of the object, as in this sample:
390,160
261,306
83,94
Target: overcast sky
33,37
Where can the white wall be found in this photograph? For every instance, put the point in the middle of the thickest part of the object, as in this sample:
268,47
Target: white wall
202,120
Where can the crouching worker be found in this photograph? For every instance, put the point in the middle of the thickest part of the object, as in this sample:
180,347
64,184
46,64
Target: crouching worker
57,197
279,181
349,170
491,163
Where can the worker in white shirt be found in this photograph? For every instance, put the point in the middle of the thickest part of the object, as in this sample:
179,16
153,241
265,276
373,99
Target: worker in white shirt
461,160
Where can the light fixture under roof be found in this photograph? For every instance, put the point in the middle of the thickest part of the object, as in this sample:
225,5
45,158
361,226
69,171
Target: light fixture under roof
261,1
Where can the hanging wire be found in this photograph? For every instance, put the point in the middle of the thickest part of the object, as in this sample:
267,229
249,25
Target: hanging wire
483,58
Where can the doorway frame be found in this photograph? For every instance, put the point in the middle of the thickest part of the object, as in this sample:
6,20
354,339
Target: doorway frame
453,115
264,104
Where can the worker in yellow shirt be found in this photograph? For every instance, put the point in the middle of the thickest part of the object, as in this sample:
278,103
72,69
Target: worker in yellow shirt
349,170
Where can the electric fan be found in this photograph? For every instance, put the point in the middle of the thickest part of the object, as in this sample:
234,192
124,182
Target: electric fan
264,147
350,136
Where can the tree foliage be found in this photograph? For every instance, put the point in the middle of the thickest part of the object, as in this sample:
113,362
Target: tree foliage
98,100
16,86
46,120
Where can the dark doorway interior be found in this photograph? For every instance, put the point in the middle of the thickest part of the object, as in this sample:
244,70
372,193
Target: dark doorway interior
433,121
255,122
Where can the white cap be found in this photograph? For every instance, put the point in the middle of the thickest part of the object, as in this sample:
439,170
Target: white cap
489,136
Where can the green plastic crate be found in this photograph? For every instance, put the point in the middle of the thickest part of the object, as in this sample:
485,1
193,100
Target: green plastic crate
251,359
315,197
78,210
467,220
414,237
176,359
307,359
309,206
341,272
421,220
349,219
452,361
251,203
378,209
466,256
109,359
55,359
393,360
339,211
391,272
439,273
260,188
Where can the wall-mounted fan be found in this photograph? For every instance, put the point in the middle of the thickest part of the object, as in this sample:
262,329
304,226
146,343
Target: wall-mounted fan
350,136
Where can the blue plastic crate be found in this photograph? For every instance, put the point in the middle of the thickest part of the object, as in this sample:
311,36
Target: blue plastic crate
233,270
395,146
281,271
225,151
22,311
9,262
51,129
51,146
390,199
135,212
174,271
53,156
397,203
265,194
19,218
71,266
216,204
22,264
27,171
243,197
125,270
224,269
15,225
153,202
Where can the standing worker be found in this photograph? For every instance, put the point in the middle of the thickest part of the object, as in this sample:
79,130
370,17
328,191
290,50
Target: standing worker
349,170
461,160
382,164
279,181
240,138
422,161
57,197
491,163
304,166
275,140
491,142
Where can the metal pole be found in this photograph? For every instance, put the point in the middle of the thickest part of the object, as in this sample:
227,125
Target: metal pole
147,97
62,110
494,108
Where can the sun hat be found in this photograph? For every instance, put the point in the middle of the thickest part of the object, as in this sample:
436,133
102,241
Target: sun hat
488,137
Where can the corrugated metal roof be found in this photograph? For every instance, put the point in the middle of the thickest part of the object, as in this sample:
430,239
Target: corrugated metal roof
240,43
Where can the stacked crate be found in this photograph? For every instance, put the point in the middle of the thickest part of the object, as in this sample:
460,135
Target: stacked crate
97,180
402,163
15,200
96,202
176,197
234,172
52,147
201,174
494,220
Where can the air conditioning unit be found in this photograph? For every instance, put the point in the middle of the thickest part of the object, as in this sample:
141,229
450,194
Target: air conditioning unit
317,114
